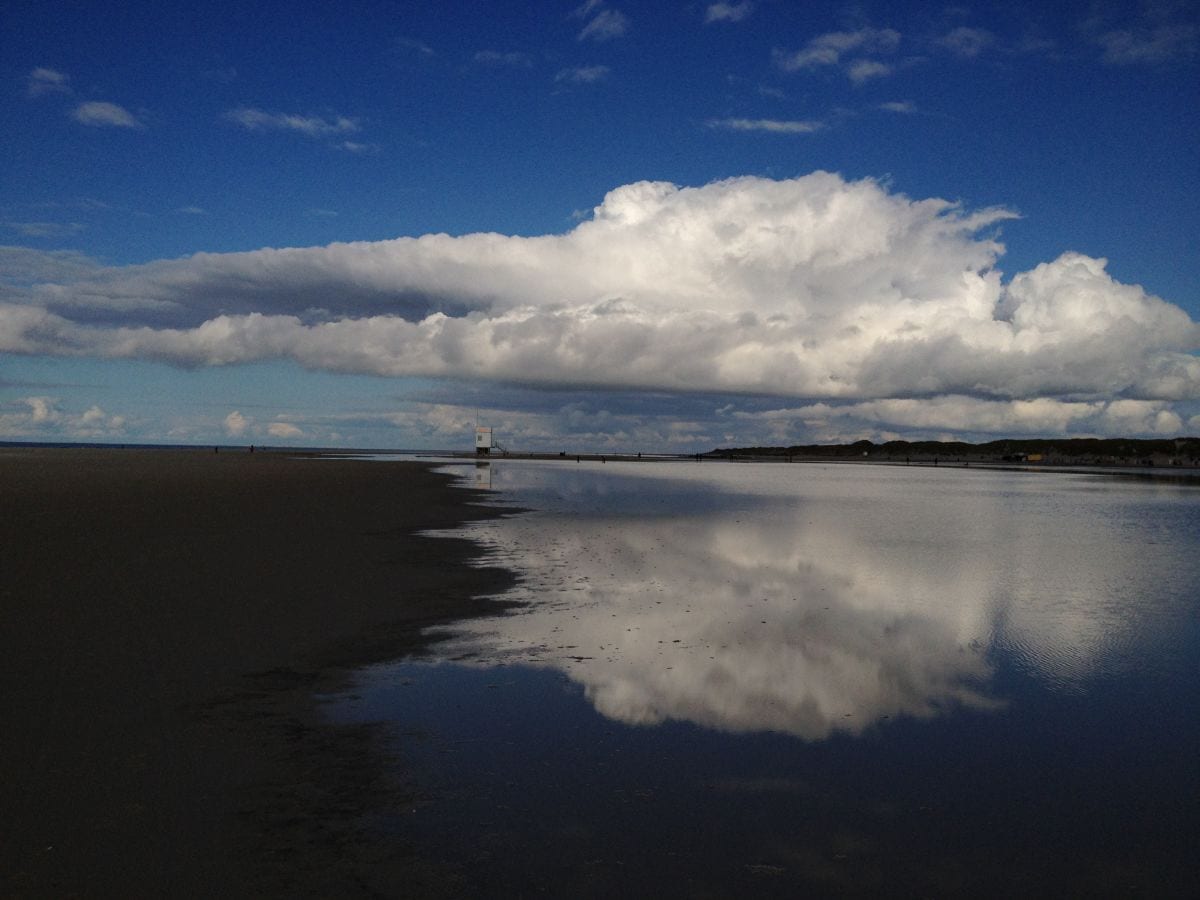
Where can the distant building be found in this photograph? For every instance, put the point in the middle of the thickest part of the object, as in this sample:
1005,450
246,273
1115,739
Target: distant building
483,440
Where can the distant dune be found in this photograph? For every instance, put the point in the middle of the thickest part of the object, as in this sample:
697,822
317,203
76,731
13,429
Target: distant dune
1063,451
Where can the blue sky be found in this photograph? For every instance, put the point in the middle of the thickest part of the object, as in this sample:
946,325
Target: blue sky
665,226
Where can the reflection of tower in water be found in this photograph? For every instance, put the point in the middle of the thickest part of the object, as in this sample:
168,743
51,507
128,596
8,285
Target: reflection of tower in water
483,475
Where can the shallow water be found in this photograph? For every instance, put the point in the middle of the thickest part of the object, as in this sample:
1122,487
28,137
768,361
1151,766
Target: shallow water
763,679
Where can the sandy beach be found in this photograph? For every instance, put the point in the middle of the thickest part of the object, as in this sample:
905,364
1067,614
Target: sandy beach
165,618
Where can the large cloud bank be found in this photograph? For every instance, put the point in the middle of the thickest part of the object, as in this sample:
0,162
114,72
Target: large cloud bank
816,288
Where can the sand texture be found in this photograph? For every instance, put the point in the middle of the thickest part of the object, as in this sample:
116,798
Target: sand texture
165,617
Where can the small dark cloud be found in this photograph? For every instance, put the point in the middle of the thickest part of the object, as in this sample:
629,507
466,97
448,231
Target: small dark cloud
512,59
226,75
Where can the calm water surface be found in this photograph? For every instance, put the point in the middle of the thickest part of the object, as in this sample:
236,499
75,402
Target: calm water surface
766,680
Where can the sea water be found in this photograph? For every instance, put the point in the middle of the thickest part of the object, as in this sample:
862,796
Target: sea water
771,680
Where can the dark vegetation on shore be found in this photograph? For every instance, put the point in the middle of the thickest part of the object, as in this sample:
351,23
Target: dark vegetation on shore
1061,451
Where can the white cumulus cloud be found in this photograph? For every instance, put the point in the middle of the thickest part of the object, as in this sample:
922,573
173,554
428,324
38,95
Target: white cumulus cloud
284,430
834,292
236,424
42,409
43,418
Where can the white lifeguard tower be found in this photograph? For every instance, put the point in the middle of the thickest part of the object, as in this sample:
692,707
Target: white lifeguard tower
483,440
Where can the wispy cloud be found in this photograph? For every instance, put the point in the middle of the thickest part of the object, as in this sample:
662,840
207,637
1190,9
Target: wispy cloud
829,49
414,46
773,126
728,12
44,229
358,148
88,204
1154,33
512,59
605,24
192,211
312,126
99,114
582,75
1034,43
905,107
22,265
863,70
43,81
1153,46
966,43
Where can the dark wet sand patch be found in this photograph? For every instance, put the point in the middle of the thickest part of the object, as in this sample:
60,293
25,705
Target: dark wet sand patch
165,620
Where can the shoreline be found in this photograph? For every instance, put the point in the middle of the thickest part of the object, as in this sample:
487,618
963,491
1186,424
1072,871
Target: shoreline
1184,475
168,622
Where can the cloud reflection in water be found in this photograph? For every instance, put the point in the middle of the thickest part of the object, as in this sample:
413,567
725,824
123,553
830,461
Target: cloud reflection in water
804,599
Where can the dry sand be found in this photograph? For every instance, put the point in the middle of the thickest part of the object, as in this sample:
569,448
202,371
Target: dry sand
165,617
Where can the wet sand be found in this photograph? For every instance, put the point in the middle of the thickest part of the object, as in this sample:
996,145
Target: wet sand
165,619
